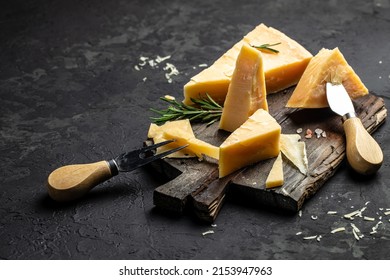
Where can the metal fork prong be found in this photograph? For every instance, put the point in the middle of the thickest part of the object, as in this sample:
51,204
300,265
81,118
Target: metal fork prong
155,146
161,155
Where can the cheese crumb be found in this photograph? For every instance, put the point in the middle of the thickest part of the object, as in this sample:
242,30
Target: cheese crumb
314,217
208,232
368,219
299,233
331,212
356,232
310,237
338,230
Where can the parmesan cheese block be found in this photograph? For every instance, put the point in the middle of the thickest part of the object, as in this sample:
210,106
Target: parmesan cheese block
275,177
246,92
282,69
197,146
295,151
255,140
326,66
157,134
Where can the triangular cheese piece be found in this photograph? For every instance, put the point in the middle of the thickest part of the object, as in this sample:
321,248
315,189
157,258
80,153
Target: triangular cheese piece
157,134
255,140
196,146
282,69
326,66
246,91
295,151
275,177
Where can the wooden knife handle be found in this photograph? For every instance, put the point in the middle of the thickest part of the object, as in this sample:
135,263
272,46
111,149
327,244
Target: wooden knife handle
363,152
71,182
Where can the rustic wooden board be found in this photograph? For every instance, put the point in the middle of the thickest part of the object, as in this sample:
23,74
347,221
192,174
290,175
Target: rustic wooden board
195,184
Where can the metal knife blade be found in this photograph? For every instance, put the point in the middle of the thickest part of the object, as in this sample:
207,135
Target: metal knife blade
363,153
339,100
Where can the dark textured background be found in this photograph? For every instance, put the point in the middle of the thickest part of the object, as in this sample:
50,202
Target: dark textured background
70,93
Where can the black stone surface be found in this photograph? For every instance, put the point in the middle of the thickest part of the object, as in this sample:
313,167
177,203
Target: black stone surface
70,93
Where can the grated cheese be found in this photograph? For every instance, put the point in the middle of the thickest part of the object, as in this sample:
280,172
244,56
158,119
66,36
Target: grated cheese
369,218
310,237
338,230
208,232
356,232
387,213
299,233
374,228
313,217
331,212
351,215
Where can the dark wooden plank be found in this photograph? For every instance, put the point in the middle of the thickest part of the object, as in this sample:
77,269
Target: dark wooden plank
199,188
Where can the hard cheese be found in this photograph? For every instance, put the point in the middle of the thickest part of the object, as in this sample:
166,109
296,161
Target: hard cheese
275,177
326,66
257,139
295,151
282,69
197,146
246,91
157,134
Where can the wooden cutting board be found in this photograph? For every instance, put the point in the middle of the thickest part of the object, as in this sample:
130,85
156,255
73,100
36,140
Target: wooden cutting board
195,185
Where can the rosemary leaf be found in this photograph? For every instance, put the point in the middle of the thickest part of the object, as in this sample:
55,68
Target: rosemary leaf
205,109
267,47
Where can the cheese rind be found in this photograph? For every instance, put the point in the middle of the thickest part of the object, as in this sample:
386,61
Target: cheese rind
255,140
326,66
246,92
281,70
275,177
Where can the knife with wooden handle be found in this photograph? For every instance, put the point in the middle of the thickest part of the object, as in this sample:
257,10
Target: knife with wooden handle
363,153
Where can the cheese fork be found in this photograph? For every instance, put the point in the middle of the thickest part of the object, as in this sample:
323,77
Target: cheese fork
71,182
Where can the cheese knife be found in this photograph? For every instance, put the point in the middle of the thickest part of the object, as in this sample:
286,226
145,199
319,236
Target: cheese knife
71,182
363,152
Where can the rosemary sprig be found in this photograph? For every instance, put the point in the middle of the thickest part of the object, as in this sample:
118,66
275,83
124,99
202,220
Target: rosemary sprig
205,110
267,47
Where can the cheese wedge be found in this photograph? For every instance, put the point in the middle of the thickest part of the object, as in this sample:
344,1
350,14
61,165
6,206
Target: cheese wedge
275,177
157,134
246,93
295,151
255,140
326,66
196,146
281,70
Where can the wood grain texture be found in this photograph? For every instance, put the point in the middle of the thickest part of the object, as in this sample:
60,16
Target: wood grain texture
199,189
